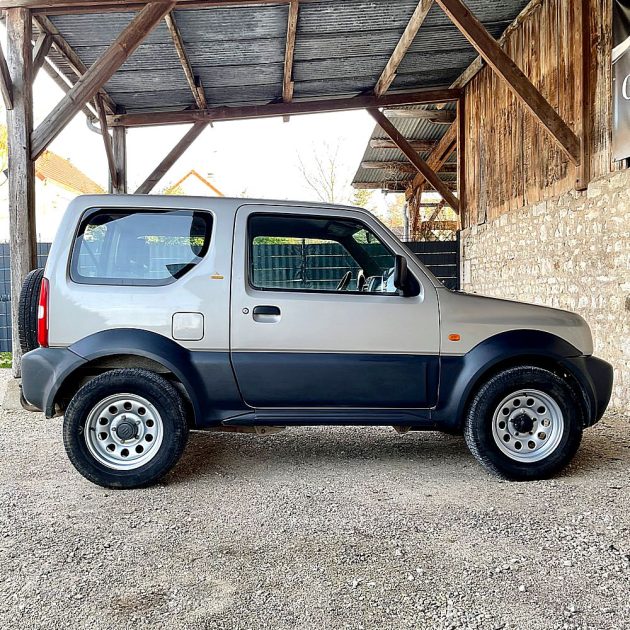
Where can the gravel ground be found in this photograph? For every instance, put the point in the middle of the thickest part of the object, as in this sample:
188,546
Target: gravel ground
314,528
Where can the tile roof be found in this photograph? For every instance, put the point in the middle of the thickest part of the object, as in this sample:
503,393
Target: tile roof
52,166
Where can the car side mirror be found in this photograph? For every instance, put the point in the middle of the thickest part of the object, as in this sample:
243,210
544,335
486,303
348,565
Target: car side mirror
402,278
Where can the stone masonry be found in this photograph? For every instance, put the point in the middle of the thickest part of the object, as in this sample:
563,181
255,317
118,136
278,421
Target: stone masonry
571,252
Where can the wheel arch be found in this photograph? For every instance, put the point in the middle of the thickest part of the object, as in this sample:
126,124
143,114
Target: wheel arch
462,376
128,348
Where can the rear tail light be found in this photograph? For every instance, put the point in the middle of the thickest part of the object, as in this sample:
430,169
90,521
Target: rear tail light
42,314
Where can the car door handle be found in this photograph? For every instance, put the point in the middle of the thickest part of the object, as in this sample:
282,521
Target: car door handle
266,310
266,314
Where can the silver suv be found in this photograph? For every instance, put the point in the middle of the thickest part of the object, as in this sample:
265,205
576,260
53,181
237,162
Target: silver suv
157,315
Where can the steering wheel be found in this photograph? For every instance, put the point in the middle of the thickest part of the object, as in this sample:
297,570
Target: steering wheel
361,280
345,281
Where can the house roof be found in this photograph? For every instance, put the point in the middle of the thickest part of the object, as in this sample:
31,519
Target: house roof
203,180
237,50
53,167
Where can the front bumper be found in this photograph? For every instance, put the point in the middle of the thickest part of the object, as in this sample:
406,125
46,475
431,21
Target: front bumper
43,372
596,379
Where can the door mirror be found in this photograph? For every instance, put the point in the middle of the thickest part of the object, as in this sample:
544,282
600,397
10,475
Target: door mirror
402,278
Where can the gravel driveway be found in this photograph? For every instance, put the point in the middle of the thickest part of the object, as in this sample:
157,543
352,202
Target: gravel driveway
314,528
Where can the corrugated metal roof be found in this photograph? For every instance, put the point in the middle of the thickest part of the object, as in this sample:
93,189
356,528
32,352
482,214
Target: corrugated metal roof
411,129
341,49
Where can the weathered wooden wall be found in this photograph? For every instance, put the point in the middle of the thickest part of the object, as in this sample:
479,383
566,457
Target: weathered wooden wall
511,161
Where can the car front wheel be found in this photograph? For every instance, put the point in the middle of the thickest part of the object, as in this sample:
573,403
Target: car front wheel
524,423
125,428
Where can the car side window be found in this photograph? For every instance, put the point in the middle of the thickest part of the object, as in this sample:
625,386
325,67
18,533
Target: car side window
147,247
324,254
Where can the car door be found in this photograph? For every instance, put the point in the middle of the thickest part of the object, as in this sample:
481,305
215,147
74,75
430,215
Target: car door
298,339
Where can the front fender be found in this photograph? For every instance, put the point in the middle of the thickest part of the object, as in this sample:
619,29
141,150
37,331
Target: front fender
461,375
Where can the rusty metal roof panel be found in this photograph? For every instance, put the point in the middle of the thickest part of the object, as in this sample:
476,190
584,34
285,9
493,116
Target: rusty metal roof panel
341,49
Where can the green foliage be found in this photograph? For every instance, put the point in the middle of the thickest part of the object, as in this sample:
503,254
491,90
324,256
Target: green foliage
6,360
362,198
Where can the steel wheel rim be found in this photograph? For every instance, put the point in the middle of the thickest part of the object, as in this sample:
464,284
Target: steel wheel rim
527,425
124,431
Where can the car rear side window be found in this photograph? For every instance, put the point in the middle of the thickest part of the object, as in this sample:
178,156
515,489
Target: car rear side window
148,247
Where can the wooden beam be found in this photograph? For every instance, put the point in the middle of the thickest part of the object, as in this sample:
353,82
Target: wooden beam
422,146
475,67
287,81
438,117
174,154
413,26
404,167
21,169
98,74
440,154
584,93
475,32
62,81
40,50
119,145
69,54
193,83
395,186
6,87
107,141
422,167
461,154
283,109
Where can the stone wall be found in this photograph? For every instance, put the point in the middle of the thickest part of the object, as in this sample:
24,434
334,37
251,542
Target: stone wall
571,252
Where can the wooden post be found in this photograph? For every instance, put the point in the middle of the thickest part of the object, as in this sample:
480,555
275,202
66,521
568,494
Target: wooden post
427,172
461,156
584,36
174,154
98,74
23,245
119,146
107,141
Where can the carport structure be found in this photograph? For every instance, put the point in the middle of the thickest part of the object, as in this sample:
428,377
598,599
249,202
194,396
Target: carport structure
134,64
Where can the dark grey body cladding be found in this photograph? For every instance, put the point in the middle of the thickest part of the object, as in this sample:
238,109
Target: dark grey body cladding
355,382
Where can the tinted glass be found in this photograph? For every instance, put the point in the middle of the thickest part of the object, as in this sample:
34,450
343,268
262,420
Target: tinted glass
318,254
141,248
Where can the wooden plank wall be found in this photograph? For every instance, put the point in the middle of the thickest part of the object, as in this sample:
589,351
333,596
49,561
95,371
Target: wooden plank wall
511,162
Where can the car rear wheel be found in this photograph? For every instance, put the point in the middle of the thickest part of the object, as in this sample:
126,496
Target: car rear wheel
27,314
125,428
524,423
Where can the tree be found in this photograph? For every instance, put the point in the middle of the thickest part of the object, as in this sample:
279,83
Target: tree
362,198
324,174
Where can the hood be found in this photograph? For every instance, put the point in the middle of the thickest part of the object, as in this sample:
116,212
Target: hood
476,318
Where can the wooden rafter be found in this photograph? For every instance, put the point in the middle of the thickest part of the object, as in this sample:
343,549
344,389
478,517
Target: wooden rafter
69,54
195,85
422,167
107,141
404,167
364,101
287,81
173,155
475,32
40,50
438,117
389,73
62,81
98,74
440,154
421,146
6,86
394,186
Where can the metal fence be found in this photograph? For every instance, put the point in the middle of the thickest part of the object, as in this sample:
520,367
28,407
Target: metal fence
319,268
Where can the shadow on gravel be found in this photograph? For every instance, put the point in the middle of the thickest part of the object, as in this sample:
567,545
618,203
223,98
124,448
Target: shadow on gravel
248,455
245,454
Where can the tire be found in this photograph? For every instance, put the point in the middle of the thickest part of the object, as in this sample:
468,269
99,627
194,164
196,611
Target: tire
27,314
130,410
500,417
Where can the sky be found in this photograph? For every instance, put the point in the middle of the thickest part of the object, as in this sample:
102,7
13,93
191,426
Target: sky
255,158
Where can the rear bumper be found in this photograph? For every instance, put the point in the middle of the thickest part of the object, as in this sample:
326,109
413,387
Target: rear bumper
596,379
43,372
